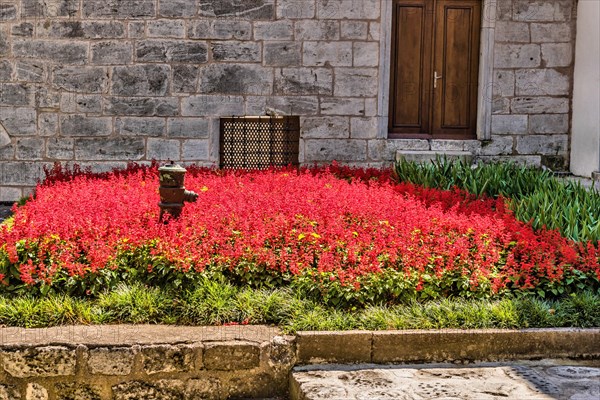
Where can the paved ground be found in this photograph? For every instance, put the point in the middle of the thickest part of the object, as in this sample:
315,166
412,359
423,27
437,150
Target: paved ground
541,380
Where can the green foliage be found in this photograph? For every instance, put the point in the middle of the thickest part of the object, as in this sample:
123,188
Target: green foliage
534,195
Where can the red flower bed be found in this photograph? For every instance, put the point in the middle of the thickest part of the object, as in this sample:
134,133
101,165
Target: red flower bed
346,234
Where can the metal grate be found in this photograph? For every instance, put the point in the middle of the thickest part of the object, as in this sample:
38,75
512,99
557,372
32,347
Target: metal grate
259,142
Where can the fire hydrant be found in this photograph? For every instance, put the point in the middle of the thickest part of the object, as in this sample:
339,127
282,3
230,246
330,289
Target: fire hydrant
172,191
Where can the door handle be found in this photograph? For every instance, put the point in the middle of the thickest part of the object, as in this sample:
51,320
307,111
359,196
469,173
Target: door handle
435,79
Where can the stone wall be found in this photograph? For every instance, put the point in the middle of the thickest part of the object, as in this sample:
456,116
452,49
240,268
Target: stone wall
103,82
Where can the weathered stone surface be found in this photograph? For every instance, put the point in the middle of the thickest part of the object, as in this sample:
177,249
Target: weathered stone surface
112,53
236,79
78,391
171,51
30,148
540,105
355,82
137,29
79,29
141,80
185,78
282,54
365,54
49,8
90,149
333,347
542,10
195,149
549,123
207,388
295,9
553,33
278,30
59,29
237,51
317,30
136,126
38,361
60,148
188,128
199,106
4,43
325,128
250,9
82,125
500,105
499,145
374,31
504,83
344,9
103,29
35,391
167,358
304,81
163,389
30,71
9,392
166,28
118,9
543,144
517,55
509,124
81,103
354,30
163,149
47,98
231,355
9,194
386,149
512,32
80,79
342,106
142,106
15,94
557,54
220,29
24,29
542,82
8,12
56,51
177,8
335,149
47,124
327,54
18,121
364,128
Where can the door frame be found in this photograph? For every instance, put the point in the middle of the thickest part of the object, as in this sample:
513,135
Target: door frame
486,65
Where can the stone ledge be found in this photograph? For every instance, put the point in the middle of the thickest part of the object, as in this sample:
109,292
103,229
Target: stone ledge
428,156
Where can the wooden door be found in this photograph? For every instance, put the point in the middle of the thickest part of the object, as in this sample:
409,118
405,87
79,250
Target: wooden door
434,69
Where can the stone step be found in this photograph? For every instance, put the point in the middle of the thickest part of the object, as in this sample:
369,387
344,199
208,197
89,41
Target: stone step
428,156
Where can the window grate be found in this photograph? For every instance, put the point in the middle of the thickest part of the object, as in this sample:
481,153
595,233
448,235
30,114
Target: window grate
259,142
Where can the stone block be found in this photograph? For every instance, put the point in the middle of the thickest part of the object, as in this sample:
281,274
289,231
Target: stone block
177,8
236,79
188,128
35,391
517,55
231,355
542,82
141,80
542,10
60,30
61,52
24,29
103,29
60,148
512,32
543,144
140,126
540,105
4,44
354,30
47,124
207,388
142,106
168,358
195,150
81,103
30,148
277,30
220,29
557,54
553,33
425,157
327,54
282,54
39,361
32,361
342,106
446,145
171,51
294,105
164,389
8,12
345,9
18,121
212,105
9,194
498,145
364,128
304,81
374,31
83,125
118,9
334,347
296,9
137,29
16,94
335,150
166,28
365,54
107,149
325,128
77,390
237,51
356,82
6,71
500,105
549,123
185,78
509,124
384,149
163,149
254,10
30,71
49,8
317,30
80,79
47,98
371,107
504,83
112,53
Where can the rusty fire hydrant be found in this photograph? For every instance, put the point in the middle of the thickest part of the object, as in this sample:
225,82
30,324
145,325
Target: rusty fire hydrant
172,191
